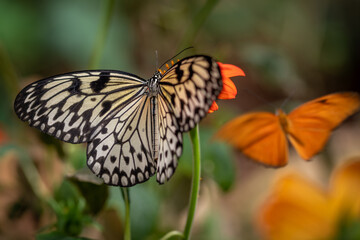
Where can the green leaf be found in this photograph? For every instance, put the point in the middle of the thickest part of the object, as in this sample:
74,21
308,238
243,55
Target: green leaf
348,229
70,209
91,188
217,160
55,235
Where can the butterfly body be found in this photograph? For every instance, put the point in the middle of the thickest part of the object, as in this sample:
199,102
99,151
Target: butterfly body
262,136
133,127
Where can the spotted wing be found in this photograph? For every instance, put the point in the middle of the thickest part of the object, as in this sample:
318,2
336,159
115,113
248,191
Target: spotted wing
121,151
190,86
187,91
71,106
170,147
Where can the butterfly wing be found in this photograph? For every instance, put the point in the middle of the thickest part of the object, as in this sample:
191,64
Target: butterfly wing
71,106
121,151
107,109
310,125
190,87
187,91
170,145
258,136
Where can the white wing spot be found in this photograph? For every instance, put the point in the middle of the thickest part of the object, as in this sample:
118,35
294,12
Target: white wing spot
67,137
106,178
97,168
124,181
51,130
58,133
115,179
90,160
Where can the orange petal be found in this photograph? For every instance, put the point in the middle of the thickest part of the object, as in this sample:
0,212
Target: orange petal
229,90
345,189
294,209
230,70
227,71
213,107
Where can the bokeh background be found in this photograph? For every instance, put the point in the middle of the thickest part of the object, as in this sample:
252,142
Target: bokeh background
291,52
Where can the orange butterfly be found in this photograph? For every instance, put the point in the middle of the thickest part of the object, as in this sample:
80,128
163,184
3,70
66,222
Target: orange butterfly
262,135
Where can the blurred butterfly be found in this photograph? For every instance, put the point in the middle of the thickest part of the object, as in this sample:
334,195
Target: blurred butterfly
133,126
262,135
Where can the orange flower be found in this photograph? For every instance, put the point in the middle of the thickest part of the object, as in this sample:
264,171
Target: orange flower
229,90
299,209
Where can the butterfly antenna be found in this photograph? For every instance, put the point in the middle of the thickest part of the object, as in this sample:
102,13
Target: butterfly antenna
175,56
287,99
156,60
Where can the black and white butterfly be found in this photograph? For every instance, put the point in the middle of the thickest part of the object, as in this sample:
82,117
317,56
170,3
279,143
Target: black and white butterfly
133,126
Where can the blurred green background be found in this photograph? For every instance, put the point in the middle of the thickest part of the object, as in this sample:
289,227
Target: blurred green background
290,50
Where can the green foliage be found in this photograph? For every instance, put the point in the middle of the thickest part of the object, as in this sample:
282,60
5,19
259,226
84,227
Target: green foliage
57,236
349,229
70,210
95,194
217,159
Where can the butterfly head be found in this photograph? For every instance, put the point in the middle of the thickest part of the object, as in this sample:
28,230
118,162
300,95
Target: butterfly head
153,84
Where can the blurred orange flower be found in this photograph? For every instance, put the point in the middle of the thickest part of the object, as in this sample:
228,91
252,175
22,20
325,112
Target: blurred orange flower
229,90
299,209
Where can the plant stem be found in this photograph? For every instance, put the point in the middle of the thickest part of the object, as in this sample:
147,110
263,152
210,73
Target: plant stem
102,33
172,234
194,135
8,74
197,23
127,231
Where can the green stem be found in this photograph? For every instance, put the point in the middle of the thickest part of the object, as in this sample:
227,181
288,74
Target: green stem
172,234
127,231
8,73
194,135
197,23
101,36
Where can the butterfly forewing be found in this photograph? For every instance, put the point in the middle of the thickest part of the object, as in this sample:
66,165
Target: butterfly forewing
190,87
71,106
259,136
187,91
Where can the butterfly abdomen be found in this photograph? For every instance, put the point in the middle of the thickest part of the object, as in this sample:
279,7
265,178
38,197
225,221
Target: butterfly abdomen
284,122
154,127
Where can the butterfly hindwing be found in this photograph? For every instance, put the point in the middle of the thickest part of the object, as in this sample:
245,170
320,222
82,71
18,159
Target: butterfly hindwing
121,152
71,106
170,145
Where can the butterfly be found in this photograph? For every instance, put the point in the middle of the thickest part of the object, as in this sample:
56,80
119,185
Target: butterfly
133,127
261,136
